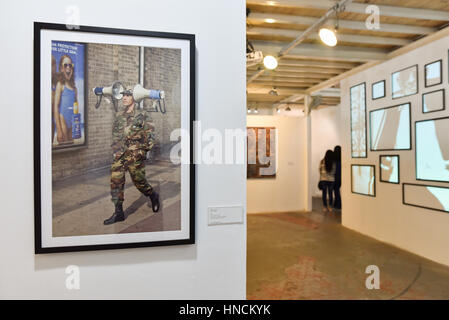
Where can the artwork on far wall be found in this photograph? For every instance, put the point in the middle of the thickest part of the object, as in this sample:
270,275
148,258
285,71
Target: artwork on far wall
378,90
389,168
427,197
128,183
363,180
433,73
433,101
358,121
404,82
261,152
390,128
432,149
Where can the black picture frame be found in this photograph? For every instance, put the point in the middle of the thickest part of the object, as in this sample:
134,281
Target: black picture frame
416,150
366,122
440,61
410,127
418,206
372,90
399,168
374,179
438,110
417,82
39,27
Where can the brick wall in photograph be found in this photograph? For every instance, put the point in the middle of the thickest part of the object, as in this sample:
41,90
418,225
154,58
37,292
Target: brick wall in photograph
163,72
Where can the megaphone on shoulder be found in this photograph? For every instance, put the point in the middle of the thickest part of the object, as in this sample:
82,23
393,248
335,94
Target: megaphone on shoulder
114,90
140,93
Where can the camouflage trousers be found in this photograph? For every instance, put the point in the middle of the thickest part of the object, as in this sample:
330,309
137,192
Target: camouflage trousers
136,168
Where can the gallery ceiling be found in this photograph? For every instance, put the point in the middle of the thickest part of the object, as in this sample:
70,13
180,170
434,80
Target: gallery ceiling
312,68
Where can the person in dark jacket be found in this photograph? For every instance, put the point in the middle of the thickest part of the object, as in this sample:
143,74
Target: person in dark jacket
337,184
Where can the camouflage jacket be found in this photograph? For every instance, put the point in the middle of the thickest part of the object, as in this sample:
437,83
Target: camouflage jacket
132,132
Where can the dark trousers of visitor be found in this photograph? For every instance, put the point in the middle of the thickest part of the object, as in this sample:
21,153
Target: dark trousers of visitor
328,188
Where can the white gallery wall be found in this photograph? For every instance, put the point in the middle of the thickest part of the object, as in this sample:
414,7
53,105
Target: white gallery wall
385,217
213,268
325,136
285,192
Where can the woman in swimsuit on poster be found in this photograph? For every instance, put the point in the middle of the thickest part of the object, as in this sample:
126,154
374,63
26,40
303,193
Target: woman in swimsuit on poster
65,96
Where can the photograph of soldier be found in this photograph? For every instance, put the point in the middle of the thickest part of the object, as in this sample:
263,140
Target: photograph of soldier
132,138
125,136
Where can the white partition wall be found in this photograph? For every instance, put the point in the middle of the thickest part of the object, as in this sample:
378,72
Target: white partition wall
213,268
412,214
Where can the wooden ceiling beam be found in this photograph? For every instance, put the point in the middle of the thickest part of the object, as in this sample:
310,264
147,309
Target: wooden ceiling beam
260,17
314,51
351,38
386,10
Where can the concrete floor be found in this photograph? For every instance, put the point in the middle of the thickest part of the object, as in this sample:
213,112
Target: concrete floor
311,256
82,203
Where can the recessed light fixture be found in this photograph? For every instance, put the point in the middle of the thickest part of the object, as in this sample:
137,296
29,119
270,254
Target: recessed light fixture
328,36
249,110
270,62
272,3
256,111
269,20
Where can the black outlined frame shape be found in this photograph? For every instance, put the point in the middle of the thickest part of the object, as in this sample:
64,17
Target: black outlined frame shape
380,168
441,73
417,82
366,121
374,179
372,90
443,102
38,28
410,126
416,150
417,206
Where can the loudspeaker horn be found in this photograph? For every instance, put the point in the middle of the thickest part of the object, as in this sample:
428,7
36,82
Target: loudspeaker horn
140,93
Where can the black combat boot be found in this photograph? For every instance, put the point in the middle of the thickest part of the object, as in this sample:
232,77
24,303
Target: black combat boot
154,197
118,215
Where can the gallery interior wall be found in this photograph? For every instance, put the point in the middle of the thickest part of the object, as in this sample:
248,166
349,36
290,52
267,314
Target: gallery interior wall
285,192
213,268
385,217
325,136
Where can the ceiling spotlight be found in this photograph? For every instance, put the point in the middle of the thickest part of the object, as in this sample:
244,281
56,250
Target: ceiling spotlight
278,110
270,62
328,36
269,20
256,111
288,109
249,110
273,92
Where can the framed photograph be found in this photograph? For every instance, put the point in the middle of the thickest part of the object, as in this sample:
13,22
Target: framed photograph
389,168
426,197
358,121
433,73
390,128
378,90
363,180
432,151
113,138
404,82
433,101
262,153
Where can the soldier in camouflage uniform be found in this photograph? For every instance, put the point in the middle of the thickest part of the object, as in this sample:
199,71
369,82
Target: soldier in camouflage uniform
132,138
